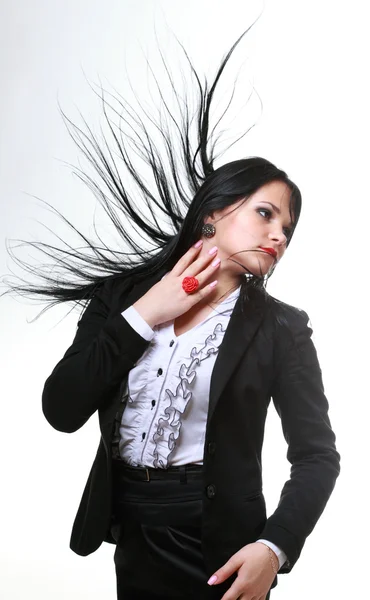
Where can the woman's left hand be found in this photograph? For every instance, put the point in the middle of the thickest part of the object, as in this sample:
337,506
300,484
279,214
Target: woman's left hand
255,573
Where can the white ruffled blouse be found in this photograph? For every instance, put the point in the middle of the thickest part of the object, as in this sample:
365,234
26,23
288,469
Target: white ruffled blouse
167,393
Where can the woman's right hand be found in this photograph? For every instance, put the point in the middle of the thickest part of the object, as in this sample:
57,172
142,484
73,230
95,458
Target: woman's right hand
166,300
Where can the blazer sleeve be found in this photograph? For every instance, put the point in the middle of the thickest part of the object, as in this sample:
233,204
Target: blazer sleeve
299,398
102,353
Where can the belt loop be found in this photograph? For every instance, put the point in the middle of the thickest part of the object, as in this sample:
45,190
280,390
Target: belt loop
183,474
147,474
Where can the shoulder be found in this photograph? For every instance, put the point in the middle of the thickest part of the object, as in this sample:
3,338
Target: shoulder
106,293
113,290
113,286
289,320
293,334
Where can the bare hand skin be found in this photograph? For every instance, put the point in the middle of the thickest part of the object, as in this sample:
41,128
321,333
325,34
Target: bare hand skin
166,300
255,573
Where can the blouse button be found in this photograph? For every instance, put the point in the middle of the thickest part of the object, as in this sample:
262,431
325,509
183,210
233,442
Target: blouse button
171,343
159,372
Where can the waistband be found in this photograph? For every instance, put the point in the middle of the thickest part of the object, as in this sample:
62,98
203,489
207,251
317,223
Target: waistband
146,474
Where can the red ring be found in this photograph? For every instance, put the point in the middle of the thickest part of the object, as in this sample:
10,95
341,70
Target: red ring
190,284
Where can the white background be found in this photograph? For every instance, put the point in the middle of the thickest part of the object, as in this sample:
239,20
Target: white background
309,63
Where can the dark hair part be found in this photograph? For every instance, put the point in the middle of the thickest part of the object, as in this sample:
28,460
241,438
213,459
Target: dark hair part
187,190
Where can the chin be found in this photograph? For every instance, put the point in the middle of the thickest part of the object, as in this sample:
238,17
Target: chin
257,269
254,266
261,268
259,273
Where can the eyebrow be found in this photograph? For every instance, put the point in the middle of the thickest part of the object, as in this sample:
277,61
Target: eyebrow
277,210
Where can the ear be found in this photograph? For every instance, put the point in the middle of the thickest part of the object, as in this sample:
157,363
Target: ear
211,218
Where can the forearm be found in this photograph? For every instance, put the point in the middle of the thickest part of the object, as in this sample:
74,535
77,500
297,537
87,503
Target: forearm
302,501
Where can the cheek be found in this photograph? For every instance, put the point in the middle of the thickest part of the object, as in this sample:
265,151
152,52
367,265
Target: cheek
244,232
251,229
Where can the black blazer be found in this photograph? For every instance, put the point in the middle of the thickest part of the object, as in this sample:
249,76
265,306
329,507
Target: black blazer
266,353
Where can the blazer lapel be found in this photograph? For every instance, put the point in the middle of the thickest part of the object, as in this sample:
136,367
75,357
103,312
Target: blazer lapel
239,334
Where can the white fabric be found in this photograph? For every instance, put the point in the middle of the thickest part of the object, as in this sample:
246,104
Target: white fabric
279,553
164,420
138,323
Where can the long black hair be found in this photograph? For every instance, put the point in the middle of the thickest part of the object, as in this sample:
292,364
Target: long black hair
187,189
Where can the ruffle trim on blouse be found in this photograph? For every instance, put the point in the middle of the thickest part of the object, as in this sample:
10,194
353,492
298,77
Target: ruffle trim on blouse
169,424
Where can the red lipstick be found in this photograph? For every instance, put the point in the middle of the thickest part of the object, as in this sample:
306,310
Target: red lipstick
269,251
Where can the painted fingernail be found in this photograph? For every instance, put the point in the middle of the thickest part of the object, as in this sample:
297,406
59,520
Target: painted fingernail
198,244
213,284
213,250
216,262
212,580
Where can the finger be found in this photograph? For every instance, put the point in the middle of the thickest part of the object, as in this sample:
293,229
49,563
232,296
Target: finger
206,291
207,274
187,259
227,570
210,269
198,266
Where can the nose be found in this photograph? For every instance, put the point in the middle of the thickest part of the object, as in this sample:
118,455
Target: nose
278,237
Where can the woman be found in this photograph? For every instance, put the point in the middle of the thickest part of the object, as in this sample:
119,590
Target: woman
180,352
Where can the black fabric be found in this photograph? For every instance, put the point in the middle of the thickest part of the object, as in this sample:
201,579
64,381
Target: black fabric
267,352
157,528
179,473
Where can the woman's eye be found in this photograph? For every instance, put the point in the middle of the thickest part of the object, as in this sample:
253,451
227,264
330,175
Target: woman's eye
267,213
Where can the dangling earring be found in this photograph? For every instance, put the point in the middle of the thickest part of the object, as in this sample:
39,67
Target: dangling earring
208,230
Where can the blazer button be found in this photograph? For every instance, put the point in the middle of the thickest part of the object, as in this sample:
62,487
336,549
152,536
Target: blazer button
211,447
211,491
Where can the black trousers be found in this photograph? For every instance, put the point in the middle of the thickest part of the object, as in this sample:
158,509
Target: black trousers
157,528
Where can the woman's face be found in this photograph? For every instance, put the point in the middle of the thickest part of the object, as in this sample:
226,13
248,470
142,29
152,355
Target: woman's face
252,238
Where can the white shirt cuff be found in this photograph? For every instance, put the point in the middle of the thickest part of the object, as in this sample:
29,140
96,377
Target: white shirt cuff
279,553
138,323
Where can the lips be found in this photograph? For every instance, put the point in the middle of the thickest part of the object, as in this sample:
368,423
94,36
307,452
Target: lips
269,251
